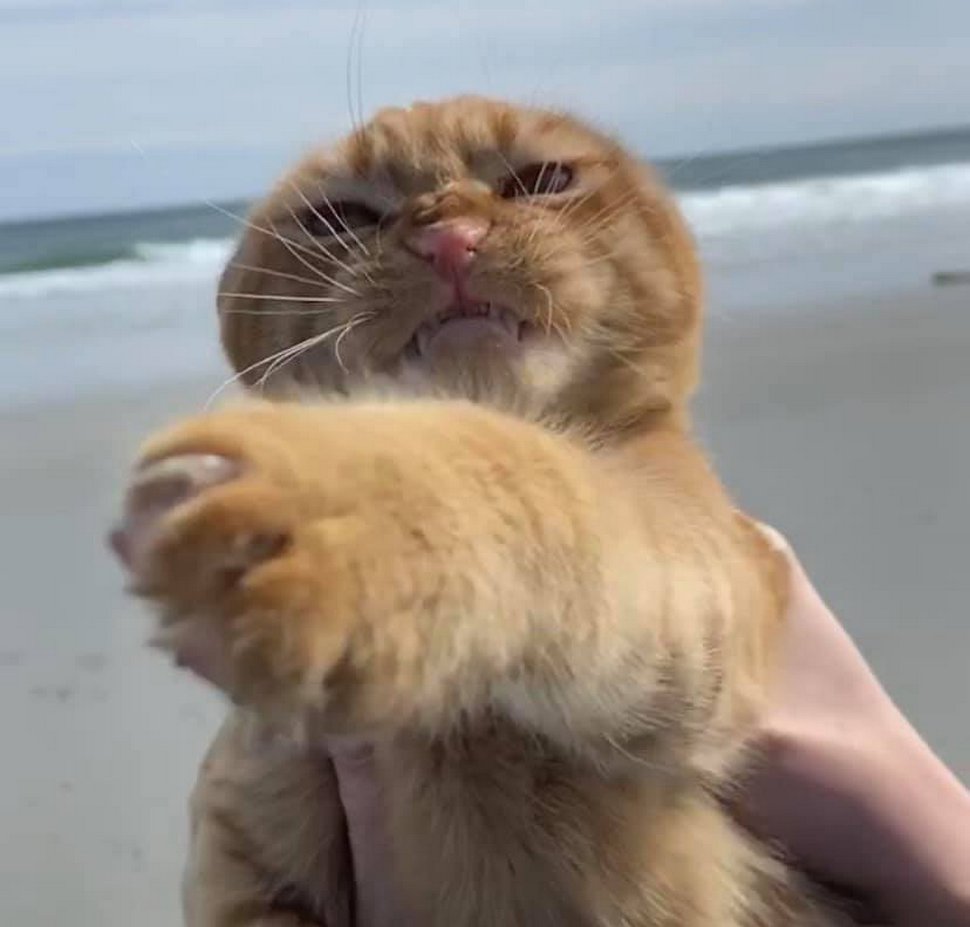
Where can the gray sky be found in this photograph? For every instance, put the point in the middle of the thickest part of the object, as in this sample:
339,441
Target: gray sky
116,104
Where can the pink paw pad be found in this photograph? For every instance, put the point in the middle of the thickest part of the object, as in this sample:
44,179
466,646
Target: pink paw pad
156,489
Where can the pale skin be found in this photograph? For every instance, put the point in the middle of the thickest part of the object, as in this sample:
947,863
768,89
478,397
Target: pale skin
847,785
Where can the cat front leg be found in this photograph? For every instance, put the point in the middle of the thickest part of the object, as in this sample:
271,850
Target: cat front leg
268,845
406,564
369,564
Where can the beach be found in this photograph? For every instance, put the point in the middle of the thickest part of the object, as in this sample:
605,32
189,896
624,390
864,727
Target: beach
834,403
846,428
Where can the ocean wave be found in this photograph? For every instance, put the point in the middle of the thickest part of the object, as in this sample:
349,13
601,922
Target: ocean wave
200,252
819,203
750,220
199,259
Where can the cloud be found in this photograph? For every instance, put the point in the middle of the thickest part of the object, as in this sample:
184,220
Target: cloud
255,81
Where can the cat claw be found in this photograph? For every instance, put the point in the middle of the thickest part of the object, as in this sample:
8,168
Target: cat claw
156,489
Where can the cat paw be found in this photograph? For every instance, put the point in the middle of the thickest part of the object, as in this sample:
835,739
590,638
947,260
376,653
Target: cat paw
254,568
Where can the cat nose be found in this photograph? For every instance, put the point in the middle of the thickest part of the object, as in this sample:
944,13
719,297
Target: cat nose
449,246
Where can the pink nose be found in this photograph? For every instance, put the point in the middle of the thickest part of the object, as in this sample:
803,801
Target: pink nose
449,246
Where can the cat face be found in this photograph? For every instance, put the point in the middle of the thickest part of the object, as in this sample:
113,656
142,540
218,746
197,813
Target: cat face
474,246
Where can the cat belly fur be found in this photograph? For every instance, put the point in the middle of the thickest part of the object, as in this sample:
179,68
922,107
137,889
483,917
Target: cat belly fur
487,830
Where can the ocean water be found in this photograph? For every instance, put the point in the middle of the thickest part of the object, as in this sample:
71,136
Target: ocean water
102,301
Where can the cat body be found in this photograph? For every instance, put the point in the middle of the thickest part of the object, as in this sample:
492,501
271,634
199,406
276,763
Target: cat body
487,543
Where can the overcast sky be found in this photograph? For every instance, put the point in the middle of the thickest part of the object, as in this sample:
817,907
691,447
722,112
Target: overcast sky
116,104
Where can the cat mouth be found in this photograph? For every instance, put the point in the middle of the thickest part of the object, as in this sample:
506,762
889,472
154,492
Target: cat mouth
468,325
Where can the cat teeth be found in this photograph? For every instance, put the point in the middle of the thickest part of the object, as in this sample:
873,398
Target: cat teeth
469,310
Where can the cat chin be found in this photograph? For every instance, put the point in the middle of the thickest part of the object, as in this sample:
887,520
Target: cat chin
522,378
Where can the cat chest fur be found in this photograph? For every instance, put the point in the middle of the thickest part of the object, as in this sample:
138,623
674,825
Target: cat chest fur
495,829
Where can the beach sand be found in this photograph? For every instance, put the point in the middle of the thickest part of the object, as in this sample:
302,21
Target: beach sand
845,425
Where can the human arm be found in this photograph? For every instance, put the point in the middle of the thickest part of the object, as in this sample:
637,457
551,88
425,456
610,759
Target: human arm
847,784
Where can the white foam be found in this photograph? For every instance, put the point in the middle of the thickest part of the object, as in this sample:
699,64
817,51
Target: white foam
822,202
749,220
197,260
200,252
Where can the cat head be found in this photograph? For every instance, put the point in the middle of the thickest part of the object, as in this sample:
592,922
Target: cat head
476,246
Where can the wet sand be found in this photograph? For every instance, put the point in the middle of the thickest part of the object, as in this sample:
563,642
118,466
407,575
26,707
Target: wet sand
846,426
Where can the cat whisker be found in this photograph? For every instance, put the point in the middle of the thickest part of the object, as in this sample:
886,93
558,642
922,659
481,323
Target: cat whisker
266,360
596,261
318,244
550,309
589,235
575,203
283,313
514,175
356,118
272,231
283,298
607,213
378,247
557,224
549,323
588,228
292,353
278,273
360,60
357,320
536,226
618,203
279,362
289,354
343,222
572,206
638,760
330,228
605,340
560,331
563,214
286,243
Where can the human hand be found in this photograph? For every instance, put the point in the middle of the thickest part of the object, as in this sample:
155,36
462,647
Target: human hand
847,785
376,902
844,783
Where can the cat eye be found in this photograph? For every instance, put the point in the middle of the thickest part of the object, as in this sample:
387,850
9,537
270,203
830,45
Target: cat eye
338,217
544,178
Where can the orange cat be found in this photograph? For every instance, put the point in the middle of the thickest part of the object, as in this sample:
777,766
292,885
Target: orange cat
502,558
